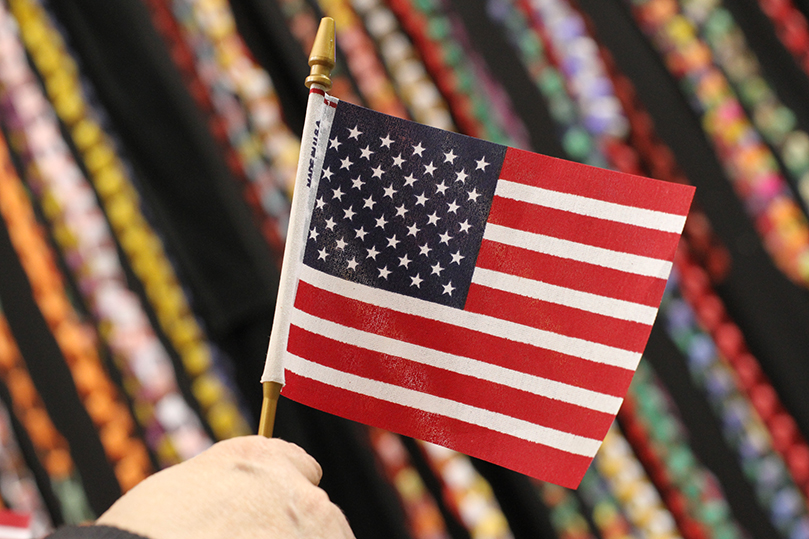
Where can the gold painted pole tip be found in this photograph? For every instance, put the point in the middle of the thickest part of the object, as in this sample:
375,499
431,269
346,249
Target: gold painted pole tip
272,391
321,61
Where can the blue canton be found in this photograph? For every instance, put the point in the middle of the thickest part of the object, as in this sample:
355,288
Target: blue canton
402,206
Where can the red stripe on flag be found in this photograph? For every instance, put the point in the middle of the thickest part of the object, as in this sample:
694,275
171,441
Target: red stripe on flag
569,226
557,175
536,460
449,385
463,342
559,319
571,274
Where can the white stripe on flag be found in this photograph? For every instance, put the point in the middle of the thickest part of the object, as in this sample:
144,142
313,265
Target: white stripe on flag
600,209
494,421
10,532
593,303
639,265
458,364
581,348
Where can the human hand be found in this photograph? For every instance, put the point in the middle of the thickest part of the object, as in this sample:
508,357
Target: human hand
245,487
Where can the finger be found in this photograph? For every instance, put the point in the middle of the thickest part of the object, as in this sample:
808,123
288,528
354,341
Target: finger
303,462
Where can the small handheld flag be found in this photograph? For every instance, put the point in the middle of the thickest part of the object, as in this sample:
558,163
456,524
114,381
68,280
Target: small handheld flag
480,297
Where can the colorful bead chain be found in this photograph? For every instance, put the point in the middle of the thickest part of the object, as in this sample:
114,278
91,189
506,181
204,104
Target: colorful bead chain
75,339
526,39
303,22
790,27
576,54
607,515
565,512
774,120
698,236
467,494
652,426
18,487
629,483
734,353
413,84
365,67
229,131
424,519
748,162
141,245
450,64
51,447
79,227
225,64
741,424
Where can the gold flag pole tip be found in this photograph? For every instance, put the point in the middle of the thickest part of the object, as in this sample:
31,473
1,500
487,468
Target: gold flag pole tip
272,391
321,60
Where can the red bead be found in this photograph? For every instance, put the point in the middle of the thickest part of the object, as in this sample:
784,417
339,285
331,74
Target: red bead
710,311
729,340
747,370
783,430
797,458
764,400
794,32
776,9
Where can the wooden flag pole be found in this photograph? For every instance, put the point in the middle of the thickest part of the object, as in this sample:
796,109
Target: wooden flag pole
321,62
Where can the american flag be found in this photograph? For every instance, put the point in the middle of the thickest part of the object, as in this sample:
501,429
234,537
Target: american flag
483,298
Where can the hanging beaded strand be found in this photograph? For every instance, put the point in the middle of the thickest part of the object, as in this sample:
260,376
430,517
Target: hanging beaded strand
748,162
628,482
28,121
250,104
364,65
607,515
575,54
469,496
229,131
449,63
423,516
529,45
68,201
774,121
742,426
652,426
51,448
566,517
18,487
413,84
139,242
790,27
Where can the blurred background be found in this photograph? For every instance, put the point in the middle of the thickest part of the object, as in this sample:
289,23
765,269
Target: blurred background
149,149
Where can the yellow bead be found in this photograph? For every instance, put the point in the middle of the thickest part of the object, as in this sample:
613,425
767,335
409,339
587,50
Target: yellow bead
196,359
207,390
86,133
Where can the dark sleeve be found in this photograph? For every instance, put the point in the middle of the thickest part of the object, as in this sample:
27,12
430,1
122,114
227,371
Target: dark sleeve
92,532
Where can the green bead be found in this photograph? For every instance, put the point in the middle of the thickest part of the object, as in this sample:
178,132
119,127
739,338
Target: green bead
796,151
438,29
713,512
755,89
577,143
